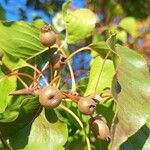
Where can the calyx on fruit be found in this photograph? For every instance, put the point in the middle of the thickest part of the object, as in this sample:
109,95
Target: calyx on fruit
99,128
50,97
47,36
86,105
58,60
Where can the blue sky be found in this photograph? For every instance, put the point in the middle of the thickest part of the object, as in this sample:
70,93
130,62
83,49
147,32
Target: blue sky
12,10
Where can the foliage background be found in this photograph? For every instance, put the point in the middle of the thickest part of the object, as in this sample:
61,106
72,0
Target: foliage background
133,32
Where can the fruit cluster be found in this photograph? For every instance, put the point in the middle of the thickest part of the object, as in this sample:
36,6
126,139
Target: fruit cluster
51,97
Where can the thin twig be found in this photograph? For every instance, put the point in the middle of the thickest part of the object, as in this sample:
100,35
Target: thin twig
77,51
98,80
19,74
80,123
73,88
21,81
38,71
72,114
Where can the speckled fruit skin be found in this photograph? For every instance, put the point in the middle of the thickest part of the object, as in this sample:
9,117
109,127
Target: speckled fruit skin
86,105
100,129
47,36
50,97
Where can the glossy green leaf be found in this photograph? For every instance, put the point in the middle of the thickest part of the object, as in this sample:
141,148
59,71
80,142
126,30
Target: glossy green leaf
122,36
65,7
38,23
100,47
9,115
12,62
128,24
6,86
130,89
79,24
81,86
106,76
20,39
14,124
139,141
47,132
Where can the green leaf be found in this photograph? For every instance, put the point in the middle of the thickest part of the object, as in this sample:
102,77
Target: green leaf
65,7
47,132
38,23
6,86
141,137
100,47
79,24
106,76
130,89
20,40
9,116
13,63
128,24
81,86
13,123
122,36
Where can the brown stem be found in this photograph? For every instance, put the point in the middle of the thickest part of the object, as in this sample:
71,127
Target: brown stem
38,71
54,80
70,68
19,74
77,51
72,97
28,91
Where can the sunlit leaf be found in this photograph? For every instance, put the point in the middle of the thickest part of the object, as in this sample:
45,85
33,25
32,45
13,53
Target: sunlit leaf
105,78
47,132
128,24
20,40
79,20
131,92
141,138
6,86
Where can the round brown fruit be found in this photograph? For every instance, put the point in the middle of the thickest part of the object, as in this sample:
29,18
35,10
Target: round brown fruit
100,129
50,97
86,105
47,36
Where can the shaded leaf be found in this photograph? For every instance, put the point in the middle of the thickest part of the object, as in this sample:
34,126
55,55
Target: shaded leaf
28,108
130,89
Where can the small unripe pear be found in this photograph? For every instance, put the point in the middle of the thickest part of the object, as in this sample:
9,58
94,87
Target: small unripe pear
86,105
50,97
99,128
47,36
